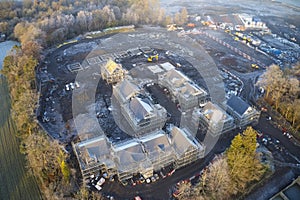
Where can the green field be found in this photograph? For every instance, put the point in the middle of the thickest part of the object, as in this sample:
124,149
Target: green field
15,182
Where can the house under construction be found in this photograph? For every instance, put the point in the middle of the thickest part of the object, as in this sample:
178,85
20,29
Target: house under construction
112,72
140,113
242,112
214,118
183,90
94,155
139,155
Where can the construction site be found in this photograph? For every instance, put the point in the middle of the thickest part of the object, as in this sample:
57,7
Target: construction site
151,102
138,112
137,107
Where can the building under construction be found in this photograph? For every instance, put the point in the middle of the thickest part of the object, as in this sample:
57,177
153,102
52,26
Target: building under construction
140,113
183,90
151,149
213,118
139,155
94,155
112,72
186,147
241,111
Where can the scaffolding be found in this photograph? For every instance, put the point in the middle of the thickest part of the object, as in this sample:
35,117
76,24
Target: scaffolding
125,90
187,149
183,90
144,117
214,118
94,155
243,113
158,149
112,72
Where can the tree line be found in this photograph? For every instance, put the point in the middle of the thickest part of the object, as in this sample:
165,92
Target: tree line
57,21
45,158
282,92
229,175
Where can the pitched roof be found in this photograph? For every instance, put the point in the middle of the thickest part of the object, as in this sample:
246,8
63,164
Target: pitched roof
128,89
111,66
157,144
176,78
214,113
190,90
238,105
129,154
181,141
95,147
141,108
94,150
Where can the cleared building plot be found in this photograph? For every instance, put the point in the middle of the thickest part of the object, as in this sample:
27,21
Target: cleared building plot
94,60
75,67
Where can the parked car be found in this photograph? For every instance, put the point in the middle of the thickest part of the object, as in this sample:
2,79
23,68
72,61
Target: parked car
98,187
101,181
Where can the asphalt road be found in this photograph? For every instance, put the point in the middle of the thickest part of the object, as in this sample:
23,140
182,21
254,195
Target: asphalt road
267,127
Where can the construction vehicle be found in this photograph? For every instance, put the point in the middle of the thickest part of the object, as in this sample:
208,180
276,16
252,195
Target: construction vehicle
206,23
255,66
153,57
191,25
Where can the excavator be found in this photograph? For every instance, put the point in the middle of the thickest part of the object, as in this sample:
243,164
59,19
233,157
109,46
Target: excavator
152,58
255,66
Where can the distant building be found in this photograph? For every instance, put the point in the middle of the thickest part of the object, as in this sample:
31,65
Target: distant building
214,118
2,37
242,112
183,90
112,72
252,22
